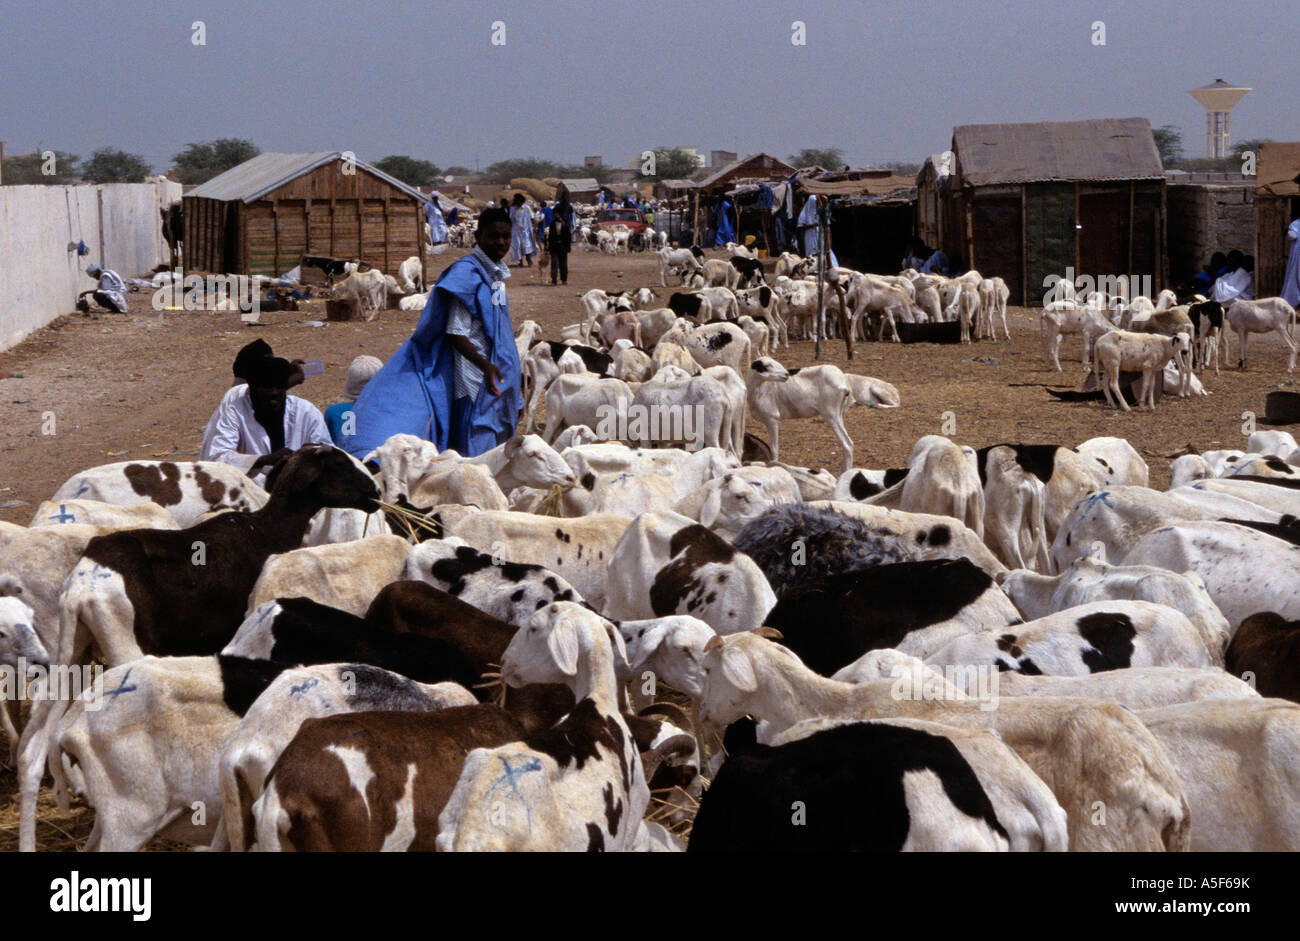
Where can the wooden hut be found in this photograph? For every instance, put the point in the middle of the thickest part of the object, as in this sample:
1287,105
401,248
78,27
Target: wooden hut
1026,201
1277,204
263,216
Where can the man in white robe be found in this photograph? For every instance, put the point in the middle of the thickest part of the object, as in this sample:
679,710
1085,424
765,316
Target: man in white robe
111,291
1238,285
1291,282
523,244
258,424
812,239
437,224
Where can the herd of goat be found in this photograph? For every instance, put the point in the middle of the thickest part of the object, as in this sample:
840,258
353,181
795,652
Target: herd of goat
672,639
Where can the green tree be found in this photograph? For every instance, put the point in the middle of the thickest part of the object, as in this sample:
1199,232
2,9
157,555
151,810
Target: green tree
1250,144
29,169
829,158
198,163
458,170
409,170
670,164
503,171
108,165
1169,141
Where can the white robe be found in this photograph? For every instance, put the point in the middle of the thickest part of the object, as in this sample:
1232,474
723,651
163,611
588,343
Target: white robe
1236,285
522,241
111,283
812,240
437,225
233,436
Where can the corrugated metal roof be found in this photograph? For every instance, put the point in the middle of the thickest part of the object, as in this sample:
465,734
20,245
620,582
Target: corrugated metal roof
1278,170
584,184
1101,149
254,178
777,164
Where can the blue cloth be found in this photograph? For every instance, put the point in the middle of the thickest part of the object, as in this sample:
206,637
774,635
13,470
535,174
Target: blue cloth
725,233
335,415
413,394
937,262
766,198
1291,281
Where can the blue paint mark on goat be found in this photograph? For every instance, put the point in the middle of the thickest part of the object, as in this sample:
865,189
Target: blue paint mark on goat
121,688
63,516
510,776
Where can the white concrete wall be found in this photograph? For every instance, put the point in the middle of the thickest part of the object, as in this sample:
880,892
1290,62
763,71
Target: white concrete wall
39,278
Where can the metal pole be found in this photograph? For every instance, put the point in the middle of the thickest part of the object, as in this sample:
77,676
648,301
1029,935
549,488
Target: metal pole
820,321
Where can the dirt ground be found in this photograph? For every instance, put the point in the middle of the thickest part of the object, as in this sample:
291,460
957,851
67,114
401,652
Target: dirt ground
140,386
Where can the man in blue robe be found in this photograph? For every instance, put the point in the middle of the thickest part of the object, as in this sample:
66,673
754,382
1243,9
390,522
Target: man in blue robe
455,382
725,232
1291,281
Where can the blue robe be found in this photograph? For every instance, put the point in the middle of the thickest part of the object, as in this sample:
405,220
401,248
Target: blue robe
414,392
1291,281
725,232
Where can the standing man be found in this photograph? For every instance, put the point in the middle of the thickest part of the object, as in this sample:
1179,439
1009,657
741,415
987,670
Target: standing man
559,238
522,243
111,292
1291,282
455,382
437,224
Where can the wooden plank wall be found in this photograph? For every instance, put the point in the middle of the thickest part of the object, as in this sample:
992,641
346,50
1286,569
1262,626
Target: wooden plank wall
1272,216
324,212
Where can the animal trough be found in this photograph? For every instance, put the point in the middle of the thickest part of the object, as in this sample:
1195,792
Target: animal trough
947,332
1282,408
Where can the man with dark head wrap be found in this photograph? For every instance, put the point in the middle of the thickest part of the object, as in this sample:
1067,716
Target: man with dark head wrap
258,424
455,381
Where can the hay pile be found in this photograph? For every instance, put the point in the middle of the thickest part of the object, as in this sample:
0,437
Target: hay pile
536,190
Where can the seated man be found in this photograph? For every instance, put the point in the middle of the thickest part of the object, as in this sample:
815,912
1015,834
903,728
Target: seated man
258,425
111,292
1203,281
1238,284
937,263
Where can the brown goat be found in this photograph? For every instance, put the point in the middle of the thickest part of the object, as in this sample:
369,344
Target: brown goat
1268,646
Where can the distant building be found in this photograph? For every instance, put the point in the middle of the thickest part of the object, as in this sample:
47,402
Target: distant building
755,167
720,158
263,216
592,161
1027,201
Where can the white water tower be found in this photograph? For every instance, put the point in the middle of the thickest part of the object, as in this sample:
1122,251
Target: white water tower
1217,98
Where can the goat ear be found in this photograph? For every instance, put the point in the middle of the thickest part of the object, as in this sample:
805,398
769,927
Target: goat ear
562,642
714,643
711,507
512,447
771,633
620,648
739,669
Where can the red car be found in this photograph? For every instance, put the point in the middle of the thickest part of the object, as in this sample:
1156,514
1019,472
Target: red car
608,218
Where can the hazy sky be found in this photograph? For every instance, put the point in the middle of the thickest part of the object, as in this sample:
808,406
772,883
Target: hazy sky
883,81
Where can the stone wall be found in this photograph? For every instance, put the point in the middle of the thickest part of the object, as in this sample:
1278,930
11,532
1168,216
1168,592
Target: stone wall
1208,217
